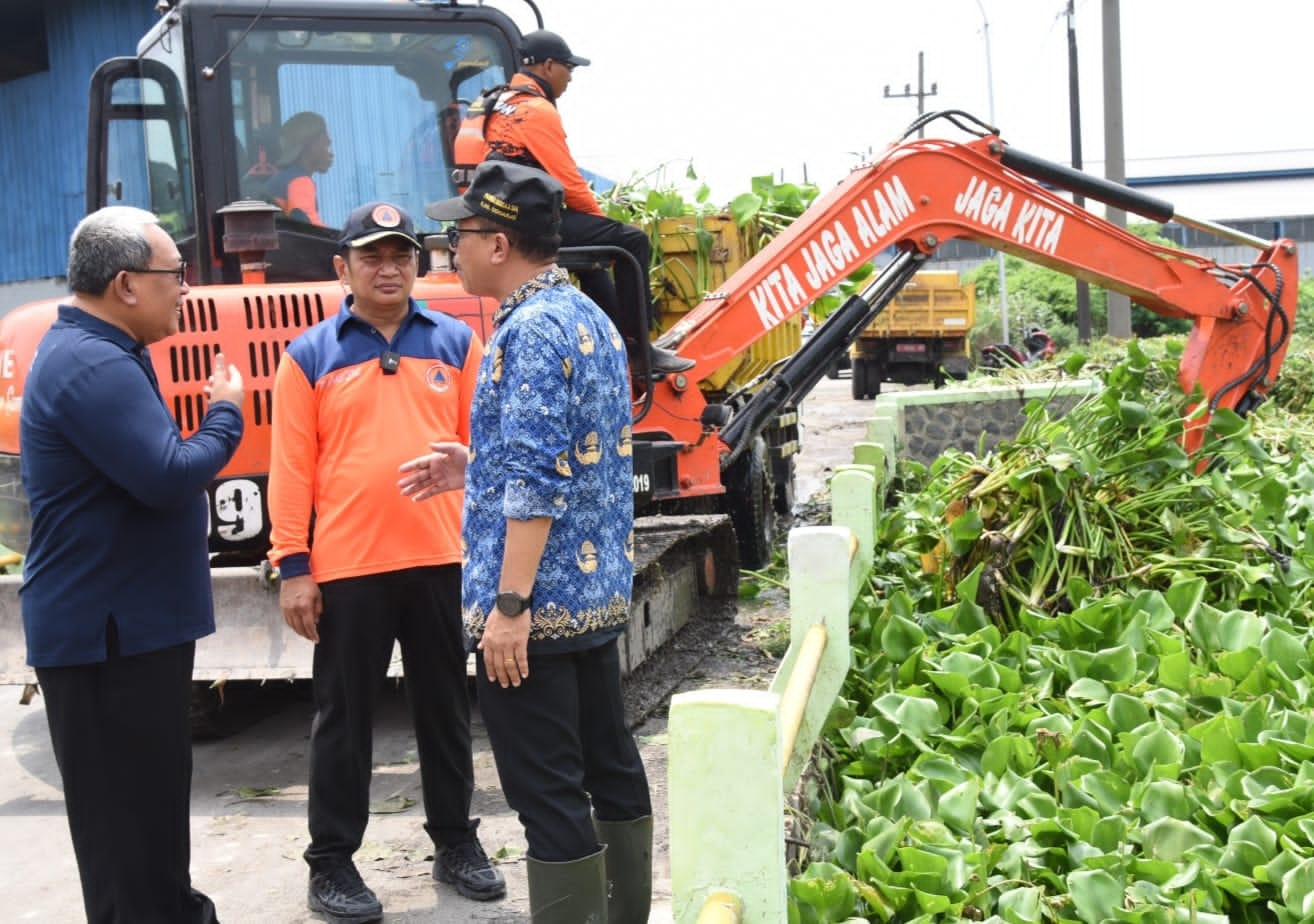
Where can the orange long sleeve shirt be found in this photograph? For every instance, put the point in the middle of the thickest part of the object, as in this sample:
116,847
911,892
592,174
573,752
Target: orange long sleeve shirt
527,123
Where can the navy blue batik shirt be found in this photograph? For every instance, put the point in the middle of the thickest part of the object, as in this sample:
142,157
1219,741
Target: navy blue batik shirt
118,500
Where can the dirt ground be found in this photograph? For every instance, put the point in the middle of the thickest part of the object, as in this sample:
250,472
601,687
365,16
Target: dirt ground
249,788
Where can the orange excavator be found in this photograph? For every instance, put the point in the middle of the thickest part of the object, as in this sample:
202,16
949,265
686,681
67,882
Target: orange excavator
914,197
183,127
918,195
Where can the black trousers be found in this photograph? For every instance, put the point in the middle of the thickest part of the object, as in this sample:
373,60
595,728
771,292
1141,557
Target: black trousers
122,739
563,750
420,608
580,229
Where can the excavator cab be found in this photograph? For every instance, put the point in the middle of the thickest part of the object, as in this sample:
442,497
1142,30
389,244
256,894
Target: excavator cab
200,118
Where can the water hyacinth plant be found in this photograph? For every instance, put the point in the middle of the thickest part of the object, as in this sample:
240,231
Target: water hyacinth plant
1081,687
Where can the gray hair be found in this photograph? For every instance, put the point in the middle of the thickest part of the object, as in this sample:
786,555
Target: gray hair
104,244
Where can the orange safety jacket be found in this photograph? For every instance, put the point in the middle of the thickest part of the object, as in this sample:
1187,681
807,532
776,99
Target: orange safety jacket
293,191
527,130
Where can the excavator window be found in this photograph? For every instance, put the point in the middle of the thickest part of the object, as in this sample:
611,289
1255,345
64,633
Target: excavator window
384,97
145,159
387,91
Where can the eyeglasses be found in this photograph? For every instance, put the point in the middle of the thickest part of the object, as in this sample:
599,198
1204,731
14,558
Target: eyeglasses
454,234
566,64
180,272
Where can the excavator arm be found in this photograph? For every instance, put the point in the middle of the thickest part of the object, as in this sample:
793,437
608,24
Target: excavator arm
922,193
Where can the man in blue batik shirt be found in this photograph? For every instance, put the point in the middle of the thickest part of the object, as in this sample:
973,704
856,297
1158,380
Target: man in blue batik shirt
549,551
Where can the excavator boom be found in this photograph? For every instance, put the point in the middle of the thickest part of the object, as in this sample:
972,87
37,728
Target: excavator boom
923,193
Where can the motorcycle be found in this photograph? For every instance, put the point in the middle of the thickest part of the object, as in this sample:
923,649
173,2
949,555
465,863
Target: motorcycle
1037,345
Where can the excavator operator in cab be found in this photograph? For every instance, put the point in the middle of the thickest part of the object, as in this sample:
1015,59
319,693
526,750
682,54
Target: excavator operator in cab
304,149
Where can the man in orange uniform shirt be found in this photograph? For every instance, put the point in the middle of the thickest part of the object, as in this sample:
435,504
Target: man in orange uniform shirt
354,394
524,126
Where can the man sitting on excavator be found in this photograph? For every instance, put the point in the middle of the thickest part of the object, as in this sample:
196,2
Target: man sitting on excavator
519,122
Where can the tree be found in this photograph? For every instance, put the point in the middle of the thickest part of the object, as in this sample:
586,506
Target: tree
1048,298
1305,307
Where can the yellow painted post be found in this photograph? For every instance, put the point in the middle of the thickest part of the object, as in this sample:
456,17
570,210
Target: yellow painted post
722,908
798,690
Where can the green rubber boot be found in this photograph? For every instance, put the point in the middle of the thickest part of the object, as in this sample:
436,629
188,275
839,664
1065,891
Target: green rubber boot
629,868
573,892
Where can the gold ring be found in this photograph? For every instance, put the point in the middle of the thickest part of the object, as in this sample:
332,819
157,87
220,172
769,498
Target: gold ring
509,661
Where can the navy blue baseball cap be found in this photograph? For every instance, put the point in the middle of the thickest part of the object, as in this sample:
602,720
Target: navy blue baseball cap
374,221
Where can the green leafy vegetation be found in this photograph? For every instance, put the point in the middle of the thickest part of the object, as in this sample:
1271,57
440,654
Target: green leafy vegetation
645,200
249,793
1305,306
1082,677
652,202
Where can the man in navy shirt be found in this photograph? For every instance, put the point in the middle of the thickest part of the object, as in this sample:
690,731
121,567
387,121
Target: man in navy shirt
116,583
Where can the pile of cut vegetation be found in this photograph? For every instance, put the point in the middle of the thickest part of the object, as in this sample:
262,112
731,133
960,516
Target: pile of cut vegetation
1081,682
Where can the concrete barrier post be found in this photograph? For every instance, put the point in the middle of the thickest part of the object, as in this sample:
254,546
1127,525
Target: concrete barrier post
820,560
727,822
726,788
856,492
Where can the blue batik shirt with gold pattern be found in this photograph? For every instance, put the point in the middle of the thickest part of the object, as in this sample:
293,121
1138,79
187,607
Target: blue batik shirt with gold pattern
550,437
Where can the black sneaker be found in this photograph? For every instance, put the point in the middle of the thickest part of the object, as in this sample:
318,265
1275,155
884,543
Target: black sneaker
466,866
343,897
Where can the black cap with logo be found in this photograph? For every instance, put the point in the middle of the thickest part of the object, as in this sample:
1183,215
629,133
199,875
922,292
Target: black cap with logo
517,196
373,222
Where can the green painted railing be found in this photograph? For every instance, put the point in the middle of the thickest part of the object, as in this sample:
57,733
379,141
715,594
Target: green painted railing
736,754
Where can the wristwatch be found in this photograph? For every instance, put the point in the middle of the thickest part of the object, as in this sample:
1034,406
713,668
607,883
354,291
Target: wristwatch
510,603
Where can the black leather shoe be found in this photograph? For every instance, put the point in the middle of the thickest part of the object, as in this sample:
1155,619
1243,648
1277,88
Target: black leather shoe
342,896
663,362
466,866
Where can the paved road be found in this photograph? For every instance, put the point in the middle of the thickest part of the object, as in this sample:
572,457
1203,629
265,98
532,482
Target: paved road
249,789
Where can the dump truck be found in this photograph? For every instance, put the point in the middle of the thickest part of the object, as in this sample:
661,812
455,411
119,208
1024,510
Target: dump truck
923,336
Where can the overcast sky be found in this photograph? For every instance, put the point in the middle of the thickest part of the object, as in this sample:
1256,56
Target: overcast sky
745,87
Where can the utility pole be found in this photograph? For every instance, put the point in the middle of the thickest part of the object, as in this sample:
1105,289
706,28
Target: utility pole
990,97
1074,120
921,93
1115,167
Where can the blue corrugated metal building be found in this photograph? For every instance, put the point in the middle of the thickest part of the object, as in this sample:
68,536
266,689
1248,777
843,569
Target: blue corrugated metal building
48,51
